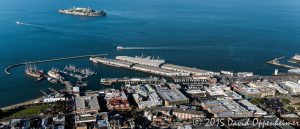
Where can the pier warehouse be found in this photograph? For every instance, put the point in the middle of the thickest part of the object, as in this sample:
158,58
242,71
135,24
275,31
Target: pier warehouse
112,62
172,97
143,61
155,70
293,87
188,70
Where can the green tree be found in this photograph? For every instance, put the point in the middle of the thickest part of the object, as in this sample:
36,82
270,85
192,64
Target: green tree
285,101
257,101
290,108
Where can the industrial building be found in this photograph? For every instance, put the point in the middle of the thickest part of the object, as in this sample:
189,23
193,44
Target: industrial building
256,110
188,70
155,70
226,108
172,97
292,87
86,109
153,101
112,62
267,88
182,114
142,60
246,91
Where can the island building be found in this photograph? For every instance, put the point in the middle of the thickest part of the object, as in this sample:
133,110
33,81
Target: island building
82,12
172,97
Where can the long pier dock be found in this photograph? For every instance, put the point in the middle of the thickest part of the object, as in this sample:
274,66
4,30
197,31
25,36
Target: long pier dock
152,80
49,60
276,63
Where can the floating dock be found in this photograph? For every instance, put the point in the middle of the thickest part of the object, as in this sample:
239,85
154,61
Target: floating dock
49,60
277,63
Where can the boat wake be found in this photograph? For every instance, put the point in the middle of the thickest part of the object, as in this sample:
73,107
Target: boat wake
43,27
27,24
36,26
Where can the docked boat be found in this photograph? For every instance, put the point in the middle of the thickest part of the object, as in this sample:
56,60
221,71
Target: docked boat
54,73
294,71
296,57
52,80
33,71
83,12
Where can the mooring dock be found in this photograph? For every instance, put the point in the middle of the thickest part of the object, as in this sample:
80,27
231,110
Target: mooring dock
49,60
277,63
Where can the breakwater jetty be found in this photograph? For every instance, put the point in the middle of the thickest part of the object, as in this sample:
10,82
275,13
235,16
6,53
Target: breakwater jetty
49,60
277,63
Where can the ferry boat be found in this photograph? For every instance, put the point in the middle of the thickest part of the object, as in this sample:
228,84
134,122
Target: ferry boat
33,71
120,47
296,57
83,12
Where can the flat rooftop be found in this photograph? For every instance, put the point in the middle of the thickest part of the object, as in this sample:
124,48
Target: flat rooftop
86,103
171,95
153,68
142,60
100,59
184,68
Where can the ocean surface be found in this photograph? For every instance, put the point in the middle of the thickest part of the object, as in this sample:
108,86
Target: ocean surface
216,35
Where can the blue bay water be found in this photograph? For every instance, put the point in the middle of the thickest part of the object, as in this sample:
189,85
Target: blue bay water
209,34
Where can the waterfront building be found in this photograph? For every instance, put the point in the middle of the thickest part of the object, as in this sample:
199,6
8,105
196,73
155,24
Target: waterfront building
188,70
292,87
245,74
155,70
112,62
142,60
116,100
53,98
172,97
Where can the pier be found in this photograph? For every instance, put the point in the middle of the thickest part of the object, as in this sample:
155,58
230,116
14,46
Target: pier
276,63
49,60
151,80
